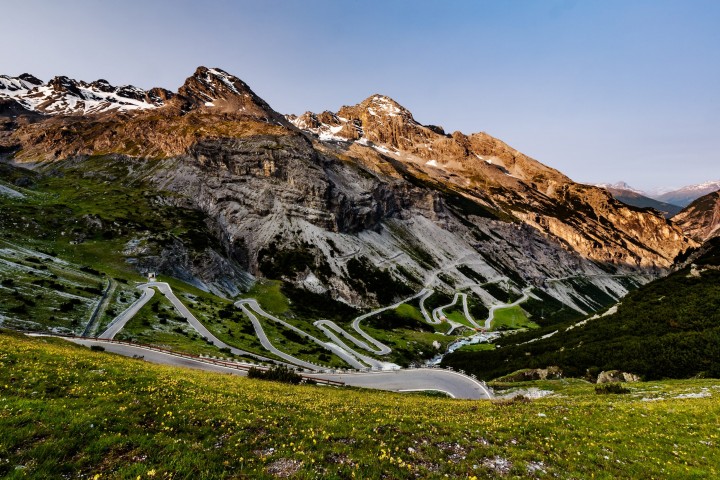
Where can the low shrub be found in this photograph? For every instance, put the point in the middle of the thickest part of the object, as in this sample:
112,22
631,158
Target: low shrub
611,388
279,373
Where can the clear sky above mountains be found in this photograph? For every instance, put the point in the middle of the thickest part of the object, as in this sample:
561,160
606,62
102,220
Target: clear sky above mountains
601,90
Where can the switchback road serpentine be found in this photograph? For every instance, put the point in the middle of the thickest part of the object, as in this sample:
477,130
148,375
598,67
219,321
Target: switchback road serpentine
397,379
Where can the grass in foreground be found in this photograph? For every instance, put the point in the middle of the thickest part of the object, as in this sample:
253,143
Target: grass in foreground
67,411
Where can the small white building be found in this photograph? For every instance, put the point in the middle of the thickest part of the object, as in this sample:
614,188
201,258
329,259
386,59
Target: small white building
151,276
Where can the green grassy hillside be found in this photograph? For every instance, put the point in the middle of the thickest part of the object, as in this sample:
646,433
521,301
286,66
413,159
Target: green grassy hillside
68,412
669,328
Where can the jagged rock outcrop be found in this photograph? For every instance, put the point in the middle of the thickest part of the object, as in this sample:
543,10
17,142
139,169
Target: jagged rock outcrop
616,376
701,219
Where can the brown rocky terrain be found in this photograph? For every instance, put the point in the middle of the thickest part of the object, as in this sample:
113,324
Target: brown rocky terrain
701,219
368,182
486,170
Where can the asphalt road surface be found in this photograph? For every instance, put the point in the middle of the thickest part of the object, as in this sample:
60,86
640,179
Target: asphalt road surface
418,379
119,322
452,383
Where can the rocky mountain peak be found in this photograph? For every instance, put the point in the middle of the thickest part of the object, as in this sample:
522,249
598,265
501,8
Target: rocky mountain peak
382,106
211,84
217,91
102,85
378,110
386,126
63,84
31,79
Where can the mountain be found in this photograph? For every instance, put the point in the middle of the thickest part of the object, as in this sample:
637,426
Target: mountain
686,195
630,196
701,219
65,96
620,186
482,167
328,202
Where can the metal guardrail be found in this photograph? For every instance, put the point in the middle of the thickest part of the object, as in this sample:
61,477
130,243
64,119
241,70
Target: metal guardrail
199,358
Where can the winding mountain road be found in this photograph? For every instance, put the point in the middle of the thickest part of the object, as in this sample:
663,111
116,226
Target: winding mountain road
466,311
165,289
455,384
119,322
423,310
382,349
491,314
249,304
438,314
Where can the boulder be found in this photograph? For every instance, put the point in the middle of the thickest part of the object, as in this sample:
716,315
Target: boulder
615,376
549,373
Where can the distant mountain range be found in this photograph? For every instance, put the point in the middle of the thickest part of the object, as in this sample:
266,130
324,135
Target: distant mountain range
630,196
686,195
63,95
670,203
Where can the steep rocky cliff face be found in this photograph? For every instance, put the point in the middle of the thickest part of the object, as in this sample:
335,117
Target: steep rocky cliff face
369,183
479,167
701,219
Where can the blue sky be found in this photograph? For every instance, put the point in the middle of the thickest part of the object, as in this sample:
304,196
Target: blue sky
602,90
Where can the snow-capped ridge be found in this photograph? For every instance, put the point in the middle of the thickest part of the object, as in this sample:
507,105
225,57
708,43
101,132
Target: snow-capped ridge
382,106
65,96
714,184
328,126
207,88
686,195
621,185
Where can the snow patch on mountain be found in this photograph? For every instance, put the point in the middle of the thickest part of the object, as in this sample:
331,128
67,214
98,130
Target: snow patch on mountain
620,186
227,79
65,96
686,195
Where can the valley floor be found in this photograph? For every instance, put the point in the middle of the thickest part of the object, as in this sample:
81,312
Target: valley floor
66,411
